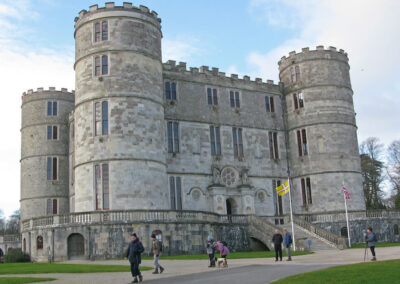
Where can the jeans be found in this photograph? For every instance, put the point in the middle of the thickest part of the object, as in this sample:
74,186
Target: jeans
156,264
212,259
288,251
135,268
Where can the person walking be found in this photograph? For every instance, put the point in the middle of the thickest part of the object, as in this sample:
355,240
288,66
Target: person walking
277,239
133,253
287,241
157,247
371,240
211,251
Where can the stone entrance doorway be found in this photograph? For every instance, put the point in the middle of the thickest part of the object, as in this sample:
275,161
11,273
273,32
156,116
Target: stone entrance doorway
76,246
231,206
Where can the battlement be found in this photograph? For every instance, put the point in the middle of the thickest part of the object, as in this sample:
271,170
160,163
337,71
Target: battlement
171,66
319,52
110,6
50,90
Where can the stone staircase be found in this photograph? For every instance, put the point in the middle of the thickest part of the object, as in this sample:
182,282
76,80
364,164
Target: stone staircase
321,239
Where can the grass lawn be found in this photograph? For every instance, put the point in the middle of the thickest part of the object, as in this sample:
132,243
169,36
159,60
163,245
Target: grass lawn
19,280
367,273
233,255
378,245
39,268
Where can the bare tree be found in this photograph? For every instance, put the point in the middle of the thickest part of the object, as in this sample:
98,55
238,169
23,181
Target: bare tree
393,170
2,222
13,223
372,171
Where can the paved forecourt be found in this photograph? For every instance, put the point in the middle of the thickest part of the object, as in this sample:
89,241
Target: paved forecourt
256,270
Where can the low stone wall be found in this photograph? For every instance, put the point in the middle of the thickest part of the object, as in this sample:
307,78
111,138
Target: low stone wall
109,238
10,242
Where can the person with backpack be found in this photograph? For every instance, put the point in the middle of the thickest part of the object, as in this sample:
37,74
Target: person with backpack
157,249
277,239
133,253
211,251
371,240
287,241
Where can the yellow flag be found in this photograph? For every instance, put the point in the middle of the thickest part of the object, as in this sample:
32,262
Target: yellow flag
283,188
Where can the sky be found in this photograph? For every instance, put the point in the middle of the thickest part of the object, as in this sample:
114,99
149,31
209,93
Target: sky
247,37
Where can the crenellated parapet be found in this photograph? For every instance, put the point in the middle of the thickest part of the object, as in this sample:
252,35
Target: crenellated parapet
51,90
213,72
111,7
330,53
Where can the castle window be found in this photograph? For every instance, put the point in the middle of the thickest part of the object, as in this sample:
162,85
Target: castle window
212,97
278,205
52,168
292,75
52,132
173,137
234,99
396,229
101,31
51,108
52,207
101,186
175,189
273,145
298,100
170,90
269,104
306,191
101,118
297,70
101,65
302,142
39,242
237,142
215,138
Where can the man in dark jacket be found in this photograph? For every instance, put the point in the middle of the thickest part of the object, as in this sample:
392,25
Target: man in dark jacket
287,241
277,239
371,240
133,253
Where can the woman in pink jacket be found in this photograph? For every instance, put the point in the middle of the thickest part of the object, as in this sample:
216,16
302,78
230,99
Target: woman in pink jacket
223,250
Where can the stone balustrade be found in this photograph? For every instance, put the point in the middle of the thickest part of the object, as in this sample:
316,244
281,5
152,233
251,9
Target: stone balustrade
353,216
132,216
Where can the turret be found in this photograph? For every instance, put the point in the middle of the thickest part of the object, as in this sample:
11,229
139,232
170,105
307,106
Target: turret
322,131
118,119
44,152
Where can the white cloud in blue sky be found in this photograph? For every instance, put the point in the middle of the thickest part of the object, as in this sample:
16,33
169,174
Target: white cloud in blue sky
244,37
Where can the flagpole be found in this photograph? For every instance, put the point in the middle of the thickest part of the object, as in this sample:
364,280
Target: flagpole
347,217
291,213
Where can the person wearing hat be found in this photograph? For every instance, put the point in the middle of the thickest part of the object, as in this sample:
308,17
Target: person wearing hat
133,253
211,251
156,252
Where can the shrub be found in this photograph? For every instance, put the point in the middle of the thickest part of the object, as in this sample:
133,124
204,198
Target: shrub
16,256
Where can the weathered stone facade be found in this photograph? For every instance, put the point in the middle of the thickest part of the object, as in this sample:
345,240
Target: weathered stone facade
142,134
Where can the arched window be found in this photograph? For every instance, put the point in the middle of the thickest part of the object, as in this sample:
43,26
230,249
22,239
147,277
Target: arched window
39,242
343,232
396,229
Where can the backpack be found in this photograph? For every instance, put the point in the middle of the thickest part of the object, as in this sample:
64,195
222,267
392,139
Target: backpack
140,247
224,243
160,244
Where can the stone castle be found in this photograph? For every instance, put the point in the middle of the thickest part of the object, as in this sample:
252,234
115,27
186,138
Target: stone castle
147,146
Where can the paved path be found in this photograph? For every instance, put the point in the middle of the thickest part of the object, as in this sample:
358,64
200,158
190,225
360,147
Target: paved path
246,271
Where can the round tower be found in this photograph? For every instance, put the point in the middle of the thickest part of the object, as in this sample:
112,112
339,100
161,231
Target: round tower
44,152
322,131
119,116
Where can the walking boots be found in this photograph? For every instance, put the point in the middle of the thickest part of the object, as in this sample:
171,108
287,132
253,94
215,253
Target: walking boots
156,271
161,269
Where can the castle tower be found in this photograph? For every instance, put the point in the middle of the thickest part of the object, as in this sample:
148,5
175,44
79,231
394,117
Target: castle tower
119,114
323,147
44,152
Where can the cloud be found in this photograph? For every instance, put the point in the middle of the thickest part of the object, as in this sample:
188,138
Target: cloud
22,68
180,49
365,30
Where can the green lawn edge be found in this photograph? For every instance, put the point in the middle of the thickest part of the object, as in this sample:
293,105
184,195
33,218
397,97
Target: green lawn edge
21,280
380,272
45,268
378,245
233,255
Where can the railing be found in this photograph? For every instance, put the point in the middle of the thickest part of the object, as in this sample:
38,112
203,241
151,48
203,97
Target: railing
128,216
336,240
11,238
353,216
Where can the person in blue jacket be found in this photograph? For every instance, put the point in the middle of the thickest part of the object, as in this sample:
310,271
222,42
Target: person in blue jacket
287,242
371,240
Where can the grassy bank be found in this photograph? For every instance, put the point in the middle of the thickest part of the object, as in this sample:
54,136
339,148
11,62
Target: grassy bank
21,280
378,245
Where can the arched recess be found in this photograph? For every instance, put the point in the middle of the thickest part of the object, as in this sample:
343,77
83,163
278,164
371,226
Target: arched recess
257,245
76,246
231,206
343,232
